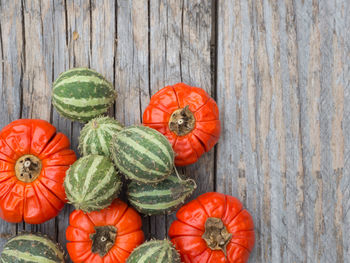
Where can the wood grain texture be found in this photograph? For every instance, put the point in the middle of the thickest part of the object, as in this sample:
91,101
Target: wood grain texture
283,81
180,37
11,77
132,66
279,70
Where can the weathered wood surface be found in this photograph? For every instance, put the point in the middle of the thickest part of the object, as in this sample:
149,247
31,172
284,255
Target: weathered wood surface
279,70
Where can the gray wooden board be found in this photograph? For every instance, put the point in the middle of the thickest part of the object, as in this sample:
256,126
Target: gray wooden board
279,70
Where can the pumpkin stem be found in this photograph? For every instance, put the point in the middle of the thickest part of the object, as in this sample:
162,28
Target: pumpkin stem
28,168
103,239
182,121
216,235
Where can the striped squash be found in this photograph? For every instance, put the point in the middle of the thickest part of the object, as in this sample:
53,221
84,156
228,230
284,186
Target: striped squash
161,198
92,183
96,136
157,251
32,248
81,94
143,154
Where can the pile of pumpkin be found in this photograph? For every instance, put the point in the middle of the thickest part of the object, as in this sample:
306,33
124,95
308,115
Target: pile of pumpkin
39,174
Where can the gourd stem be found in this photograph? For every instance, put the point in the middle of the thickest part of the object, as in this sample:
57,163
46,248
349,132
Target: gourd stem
94,124
185,180
177,174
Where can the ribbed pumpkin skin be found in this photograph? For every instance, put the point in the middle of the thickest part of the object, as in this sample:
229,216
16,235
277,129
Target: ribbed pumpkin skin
32,248
142,154
97,134
92,183
81,94
160,251
161,198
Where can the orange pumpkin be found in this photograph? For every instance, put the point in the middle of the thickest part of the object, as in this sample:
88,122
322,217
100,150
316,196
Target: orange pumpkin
33,163
214,228
105,236
188,117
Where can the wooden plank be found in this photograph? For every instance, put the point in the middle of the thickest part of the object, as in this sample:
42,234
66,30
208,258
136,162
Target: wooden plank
342,29
77,34
165,63
89,27
11,74
62,62
237,162
37,60
195,70
180,37
131,65
322,134
11,51
282,77
37,63
294,174
103,39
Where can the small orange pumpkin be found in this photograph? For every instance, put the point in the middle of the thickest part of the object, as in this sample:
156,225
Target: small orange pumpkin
33,163
188,117
213,228
105,236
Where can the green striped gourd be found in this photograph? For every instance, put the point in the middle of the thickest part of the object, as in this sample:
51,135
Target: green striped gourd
161,198
159,251
143,154
32,248
92,183
97,134
81,94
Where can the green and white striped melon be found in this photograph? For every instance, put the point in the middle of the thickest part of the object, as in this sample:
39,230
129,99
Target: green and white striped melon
161,198
143,154
155,251
97,134
92,183
33,248
81,94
